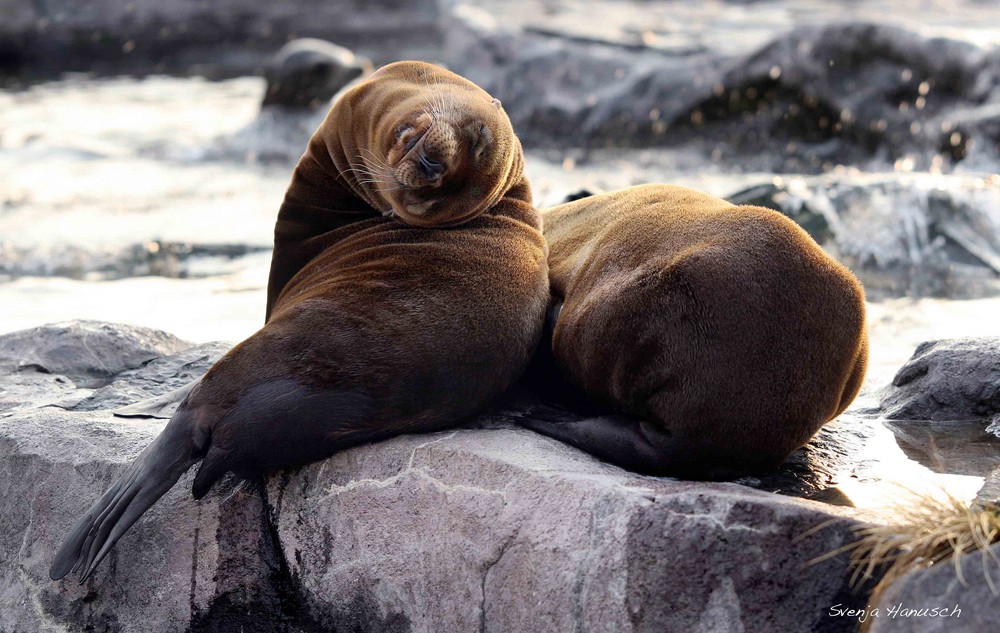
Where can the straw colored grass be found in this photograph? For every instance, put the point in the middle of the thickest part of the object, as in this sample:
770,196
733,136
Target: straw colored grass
930,530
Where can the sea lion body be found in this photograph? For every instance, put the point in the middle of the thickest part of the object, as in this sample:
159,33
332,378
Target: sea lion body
379,321
725,329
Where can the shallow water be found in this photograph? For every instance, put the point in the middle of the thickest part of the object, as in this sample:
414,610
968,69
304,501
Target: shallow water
92,170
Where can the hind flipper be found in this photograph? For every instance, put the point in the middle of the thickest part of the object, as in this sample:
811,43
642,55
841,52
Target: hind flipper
149,477
284,424
161,407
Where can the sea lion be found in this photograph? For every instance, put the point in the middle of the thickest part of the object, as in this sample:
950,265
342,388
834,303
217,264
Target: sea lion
379,321
726,335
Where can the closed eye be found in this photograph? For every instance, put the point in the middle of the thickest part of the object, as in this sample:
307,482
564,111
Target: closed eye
484,138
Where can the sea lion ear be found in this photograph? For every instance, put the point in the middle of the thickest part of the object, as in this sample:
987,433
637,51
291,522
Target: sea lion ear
497,103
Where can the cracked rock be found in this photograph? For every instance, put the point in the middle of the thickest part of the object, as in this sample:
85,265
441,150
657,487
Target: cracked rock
490,528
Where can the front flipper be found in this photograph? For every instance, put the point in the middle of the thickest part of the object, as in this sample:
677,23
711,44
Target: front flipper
621,439
629,442
162,406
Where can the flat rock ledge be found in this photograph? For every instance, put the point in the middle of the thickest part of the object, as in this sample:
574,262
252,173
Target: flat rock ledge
490,528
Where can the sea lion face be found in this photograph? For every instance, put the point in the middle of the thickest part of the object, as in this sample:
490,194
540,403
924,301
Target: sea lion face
445,163
448,159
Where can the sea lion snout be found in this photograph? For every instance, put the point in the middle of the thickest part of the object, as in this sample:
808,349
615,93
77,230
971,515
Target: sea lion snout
431,168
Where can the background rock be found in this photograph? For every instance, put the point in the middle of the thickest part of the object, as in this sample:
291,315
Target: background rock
811,99
487,528
225,38
952,379
307,72
89,353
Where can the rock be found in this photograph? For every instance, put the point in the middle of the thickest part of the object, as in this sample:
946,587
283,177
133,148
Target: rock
228,38
89,353
180,558
900,234
578,195
966,588
951,379
486,528
989,494
307,72
943,403
502,530
811,99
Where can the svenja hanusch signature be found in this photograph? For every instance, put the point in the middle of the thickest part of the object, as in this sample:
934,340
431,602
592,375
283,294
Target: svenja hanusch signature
894,611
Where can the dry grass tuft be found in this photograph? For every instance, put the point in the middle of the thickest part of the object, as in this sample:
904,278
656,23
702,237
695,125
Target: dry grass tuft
930,530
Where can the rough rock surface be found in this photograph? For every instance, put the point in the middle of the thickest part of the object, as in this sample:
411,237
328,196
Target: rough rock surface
975,590
916,235
951,379
89,353
491,528
811,99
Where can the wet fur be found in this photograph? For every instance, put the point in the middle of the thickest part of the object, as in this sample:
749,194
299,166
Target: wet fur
374,327
726,331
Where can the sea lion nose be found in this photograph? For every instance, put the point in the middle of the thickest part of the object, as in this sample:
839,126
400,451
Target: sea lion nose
431,168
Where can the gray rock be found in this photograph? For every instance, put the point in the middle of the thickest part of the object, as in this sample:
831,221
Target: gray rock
943,405
813,98
487,528
503,530
89,353
307,72
972,584
950,379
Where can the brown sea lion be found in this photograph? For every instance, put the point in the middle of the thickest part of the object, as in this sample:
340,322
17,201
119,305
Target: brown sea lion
725,332
377,325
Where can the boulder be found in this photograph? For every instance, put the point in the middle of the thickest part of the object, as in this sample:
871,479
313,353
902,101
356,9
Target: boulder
489,527
90,353
812,98
307,72
950,379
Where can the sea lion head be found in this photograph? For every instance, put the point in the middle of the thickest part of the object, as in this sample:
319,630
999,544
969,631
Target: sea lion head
433,149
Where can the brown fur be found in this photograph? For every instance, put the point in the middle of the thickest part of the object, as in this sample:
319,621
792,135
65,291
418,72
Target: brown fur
375,327
725,326
366,155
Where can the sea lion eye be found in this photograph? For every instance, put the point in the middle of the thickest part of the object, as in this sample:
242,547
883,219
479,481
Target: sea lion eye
401,130
483,138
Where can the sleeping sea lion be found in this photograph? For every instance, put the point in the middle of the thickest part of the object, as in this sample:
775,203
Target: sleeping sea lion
725,333
379,320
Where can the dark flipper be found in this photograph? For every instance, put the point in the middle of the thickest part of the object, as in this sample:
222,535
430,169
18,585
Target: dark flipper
162,406
152,474
629,442
621,439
